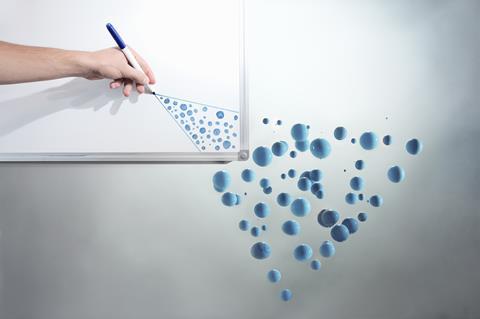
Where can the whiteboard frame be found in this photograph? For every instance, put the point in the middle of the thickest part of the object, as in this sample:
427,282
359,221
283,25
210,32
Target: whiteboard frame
161,157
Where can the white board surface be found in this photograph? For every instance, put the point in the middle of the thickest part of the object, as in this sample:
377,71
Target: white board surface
195,48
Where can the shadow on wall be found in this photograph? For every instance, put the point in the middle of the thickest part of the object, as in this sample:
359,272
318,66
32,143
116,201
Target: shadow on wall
75,94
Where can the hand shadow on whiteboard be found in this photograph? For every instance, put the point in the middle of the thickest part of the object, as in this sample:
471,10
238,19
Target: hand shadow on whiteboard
78,94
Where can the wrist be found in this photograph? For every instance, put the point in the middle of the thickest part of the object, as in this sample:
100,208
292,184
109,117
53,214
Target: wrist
76,64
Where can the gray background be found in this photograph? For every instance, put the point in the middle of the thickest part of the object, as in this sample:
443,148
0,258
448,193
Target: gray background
153,241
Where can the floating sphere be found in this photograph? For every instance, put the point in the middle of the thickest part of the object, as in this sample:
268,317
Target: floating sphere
369,140
255,231
339,233
304,184
283,176
351,198
327,249
265,120
305,174
291,227
292,173
316,175
286,294
315,264
360,196
301,146
279,122
340,133
293,154
239,199
229,199
356,183
396,174
274,276
299,132
316,187
362,217
376,201
284,199
353,140
220,115
320,148
328,218
279,148
319,194
387,140
351,224
268,190
261,210
260,250
264,227
303,252
264,183
262,156
244,225
360,164
248,175
300,207
221,180
414,146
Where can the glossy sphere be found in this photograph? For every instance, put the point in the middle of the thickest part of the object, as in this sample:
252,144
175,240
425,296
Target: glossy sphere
356,183
291,227
376,201
351,224
264,183
300,207
221,180
304,184
284,199
339,233
315,264
255,231
303,252
414,146
328,218
320,148
229,199
362,217
387,140
268,190
274,276
261,210
292,173
396,174
244,225
351,198
260,250
262,156
286,294
301,146
299,132
316,175
340,133
327,249
360,164
248,175
369,140
279,148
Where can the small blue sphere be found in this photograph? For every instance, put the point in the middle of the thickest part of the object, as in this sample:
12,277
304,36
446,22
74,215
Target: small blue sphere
301,146
300,207
264,227
369,140
356,183
268,190
262,156
360,164
264,182
376,201
244,225
316,187
387,140
274,275
320,148
220,115
284,199
316,175
305,174
328,218
279,148
261,210
283,176
293,154
260,250
396,174
292,173
362,217
299,132
351,198
255,231
327,249
315,264
291,227
286,294
229,199
360,196
248,175
221,180
340,133
353,140
351,224
265,120
319,194
339,233
414,146
304,184
303,252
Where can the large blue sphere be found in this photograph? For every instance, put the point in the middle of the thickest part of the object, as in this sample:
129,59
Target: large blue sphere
339,233
369,140
279,148
328,218
260,250
229,199
221,180
356,183
396,174
303,252
304,184
274,275
262,156
284,199
299,132
291,227
286,294
300,207
248,175
316,175
327,249
414,146
376,201
340,133
320,148
351,224
261,210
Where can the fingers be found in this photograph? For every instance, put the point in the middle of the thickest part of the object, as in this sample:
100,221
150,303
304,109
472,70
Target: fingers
127,88
134,75
116,84
140,88
145,67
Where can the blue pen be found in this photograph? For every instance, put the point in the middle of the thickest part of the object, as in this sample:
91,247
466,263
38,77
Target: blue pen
128,54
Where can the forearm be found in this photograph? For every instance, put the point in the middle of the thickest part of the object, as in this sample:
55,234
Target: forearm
20,63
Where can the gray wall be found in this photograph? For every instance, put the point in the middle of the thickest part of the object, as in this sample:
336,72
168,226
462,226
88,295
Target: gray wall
153,241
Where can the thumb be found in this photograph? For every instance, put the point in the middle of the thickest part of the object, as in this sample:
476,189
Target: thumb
135,75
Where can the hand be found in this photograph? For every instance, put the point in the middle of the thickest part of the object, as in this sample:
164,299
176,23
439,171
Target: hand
112,64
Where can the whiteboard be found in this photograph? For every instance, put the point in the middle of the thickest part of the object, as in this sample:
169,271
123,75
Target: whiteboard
196,49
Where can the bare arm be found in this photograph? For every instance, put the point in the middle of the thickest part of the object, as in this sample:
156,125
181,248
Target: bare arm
19,63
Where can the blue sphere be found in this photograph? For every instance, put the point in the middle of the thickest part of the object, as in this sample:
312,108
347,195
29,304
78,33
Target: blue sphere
301,146
316,187
327,249
300,207
353,140
316,175
303,252
292,173
369,140
351,224
265,120
229,199
340,133
304,184
262,156
362,217
261,210
286,294
244,225
356,183
387,140
264,227
360,164
305,174
351,198
279,148
293,154
360,196
299,132
239,199
319,194
291,227
320,148
220,115
315,264
264,183
255,231
396,174
376,201
339,233
284,199
274,276
328,218
414,146
248,175
260,250
283,176
268,190
221,180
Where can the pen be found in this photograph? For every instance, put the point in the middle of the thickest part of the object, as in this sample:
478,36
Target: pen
128,54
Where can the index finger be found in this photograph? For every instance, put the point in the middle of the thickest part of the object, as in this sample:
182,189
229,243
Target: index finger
145,67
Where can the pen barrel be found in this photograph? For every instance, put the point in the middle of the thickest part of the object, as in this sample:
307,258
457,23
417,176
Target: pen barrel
133,62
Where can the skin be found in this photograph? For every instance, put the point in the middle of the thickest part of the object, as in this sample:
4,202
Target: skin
19,63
